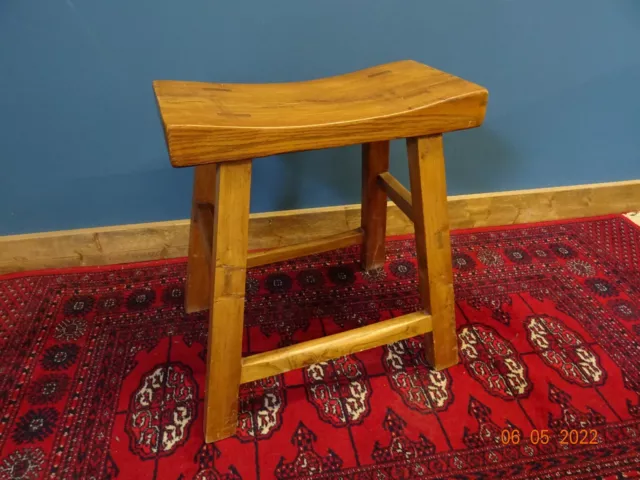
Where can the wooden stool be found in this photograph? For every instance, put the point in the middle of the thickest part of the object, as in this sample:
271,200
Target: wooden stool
219,128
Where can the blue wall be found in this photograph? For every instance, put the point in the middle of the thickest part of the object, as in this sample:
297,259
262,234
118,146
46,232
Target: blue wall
81,143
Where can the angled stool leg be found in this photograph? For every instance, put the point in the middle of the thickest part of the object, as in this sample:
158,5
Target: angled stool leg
198,281
429,198
226,317
375,160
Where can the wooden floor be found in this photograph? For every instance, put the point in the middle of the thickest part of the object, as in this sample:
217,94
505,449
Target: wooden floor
634,217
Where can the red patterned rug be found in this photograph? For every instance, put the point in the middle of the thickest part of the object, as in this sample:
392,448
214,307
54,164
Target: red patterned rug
101,371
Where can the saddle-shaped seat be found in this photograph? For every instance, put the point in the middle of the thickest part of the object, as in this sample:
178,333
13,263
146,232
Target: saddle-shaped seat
215,122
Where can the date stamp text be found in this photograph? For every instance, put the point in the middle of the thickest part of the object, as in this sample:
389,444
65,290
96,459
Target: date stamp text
566,437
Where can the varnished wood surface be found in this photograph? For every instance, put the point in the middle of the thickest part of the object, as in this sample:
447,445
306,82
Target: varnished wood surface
397,193
226,315
375,161
161,240
204,219
198,272
325,244
433,247
218,122
282,360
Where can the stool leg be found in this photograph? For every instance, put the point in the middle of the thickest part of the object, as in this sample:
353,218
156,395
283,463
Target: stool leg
226,317
197,290
375,160
429,199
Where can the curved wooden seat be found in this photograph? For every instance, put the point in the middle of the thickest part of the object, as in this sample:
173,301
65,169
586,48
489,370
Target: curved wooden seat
215,122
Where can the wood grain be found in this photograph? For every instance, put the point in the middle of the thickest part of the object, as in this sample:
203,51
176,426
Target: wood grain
205,214
226,316
333,346
325,244
162,240
198,275
433,247
216,122
397,193
375,161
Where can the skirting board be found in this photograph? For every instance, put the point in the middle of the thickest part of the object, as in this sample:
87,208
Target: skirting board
153,241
